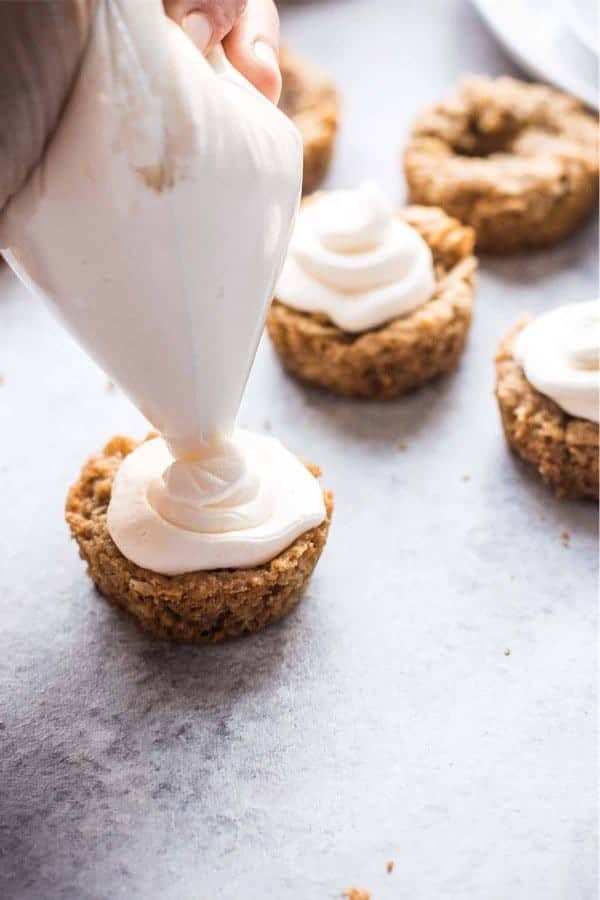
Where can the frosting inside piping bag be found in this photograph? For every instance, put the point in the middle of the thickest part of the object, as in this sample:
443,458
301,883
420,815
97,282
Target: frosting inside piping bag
156,225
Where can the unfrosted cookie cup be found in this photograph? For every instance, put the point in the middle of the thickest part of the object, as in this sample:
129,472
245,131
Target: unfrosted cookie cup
197,607
311,101
517,161
399,355
563,448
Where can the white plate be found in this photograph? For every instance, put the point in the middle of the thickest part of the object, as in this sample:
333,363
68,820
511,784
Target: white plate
539,38
582,16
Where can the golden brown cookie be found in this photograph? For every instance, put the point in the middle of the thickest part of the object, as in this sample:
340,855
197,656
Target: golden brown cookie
564,449
517,161
311,101
200,607
400,355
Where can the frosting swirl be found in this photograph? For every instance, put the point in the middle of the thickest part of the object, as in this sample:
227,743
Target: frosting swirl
560,356
212,493
240,502
351,259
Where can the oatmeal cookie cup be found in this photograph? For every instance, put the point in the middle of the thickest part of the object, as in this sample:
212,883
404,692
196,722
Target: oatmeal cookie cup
311,101
517,161
198,607
563,448
402,354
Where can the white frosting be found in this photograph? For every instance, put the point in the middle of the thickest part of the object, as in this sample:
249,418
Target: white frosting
157,224
216,491
353,260
244,516
560,353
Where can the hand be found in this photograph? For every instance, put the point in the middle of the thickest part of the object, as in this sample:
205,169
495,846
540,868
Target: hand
249,30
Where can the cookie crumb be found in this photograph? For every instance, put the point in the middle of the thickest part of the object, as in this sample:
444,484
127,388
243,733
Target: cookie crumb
466,478
354,893
507,651
267,425
110,386
402,445
390,866
565,538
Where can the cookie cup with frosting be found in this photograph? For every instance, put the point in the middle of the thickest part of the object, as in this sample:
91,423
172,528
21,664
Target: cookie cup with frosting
554,425
203,606
372,304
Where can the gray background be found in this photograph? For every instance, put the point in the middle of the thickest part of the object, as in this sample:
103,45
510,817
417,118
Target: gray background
382,720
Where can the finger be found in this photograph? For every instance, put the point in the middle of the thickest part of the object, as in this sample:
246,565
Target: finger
252,47
206,22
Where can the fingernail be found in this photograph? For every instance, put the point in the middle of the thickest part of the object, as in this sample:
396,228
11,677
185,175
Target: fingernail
198,28
266,54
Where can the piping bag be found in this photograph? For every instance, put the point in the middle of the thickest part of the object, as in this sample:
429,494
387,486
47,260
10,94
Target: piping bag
157,222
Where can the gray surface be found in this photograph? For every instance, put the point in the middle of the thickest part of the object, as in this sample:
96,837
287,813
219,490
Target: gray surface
382,720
